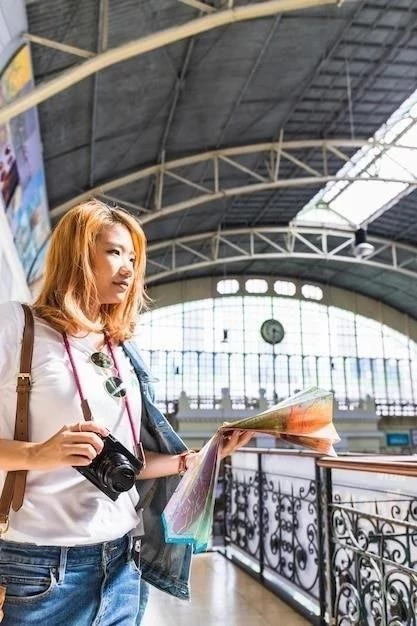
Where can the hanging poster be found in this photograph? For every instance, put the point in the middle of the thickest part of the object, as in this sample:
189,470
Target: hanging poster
22,180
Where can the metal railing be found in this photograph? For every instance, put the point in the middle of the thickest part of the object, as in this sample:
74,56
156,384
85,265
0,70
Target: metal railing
336,538
391,383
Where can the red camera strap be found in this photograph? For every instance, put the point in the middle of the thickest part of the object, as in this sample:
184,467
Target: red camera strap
84,402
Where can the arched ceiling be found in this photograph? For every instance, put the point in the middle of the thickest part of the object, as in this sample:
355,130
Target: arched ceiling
330,72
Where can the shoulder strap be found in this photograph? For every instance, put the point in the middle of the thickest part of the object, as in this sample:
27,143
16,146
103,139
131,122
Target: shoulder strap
15,483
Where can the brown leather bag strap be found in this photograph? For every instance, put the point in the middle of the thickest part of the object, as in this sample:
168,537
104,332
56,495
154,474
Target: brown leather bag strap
24,382
15,483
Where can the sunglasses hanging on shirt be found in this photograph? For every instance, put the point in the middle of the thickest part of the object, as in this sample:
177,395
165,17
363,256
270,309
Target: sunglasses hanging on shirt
114,385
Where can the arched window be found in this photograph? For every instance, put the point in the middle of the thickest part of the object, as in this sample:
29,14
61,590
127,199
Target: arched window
284,288
256,285
228,286
312,292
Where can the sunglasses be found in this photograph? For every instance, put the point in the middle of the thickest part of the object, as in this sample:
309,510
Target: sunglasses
114,385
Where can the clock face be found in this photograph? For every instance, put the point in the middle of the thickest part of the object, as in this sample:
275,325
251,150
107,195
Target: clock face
272,331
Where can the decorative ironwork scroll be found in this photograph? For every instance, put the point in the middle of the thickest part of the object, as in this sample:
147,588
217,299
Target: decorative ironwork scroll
274,521
346,539
374,562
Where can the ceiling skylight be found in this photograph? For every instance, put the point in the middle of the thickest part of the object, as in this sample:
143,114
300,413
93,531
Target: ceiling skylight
391,154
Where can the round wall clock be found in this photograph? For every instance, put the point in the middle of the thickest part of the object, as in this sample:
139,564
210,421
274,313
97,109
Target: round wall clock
272,331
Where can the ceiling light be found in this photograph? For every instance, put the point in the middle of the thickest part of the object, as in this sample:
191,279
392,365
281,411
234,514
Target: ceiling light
361,248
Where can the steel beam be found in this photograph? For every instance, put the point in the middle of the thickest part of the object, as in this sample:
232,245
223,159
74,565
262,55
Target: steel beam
136,208
153,42
57,45
221,187
200,6
205,250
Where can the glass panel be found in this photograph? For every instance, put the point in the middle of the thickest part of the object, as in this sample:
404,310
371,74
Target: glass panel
395,343
228,314
281,375
256,285
236,377
228,286
406,389
352,386
392,378
221,374
342,332
366,383
165,332
324,378
173,375
296,374
252,384
198,325
315,329
206,385
379,380
191,377
158,365
369,339
339,381
266,375
143,334
312,292
310,371
284,288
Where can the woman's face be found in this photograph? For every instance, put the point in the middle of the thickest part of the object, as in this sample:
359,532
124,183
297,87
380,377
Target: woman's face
113,264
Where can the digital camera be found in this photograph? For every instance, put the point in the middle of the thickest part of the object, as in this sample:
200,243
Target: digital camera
114,470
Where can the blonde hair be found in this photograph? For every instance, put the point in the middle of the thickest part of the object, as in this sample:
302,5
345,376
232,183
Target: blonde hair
68,296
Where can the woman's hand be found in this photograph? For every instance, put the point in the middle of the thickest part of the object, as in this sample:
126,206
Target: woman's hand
75,444
233,440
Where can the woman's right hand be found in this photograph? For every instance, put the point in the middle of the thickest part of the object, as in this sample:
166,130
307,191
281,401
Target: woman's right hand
75,444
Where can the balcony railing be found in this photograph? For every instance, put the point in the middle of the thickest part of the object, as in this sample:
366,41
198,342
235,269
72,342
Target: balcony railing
336,538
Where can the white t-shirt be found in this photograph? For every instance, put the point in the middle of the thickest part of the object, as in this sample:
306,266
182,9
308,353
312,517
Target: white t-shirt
61,507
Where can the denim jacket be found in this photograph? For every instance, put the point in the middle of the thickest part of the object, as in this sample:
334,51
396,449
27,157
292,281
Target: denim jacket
164,565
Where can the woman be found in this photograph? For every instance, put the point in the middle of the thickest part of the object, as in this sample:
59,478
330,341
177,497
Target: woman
68,555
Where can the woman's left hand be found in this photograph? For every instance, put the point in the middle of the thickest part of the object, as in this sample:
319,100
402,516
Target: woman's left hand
233,440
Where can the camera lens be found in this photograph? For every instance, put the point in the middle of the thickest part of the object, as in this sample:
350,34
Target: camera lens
117,472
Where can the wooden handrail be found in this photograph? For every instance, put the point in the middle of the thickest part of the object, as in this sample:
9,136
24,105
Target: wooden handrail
378,464
374,463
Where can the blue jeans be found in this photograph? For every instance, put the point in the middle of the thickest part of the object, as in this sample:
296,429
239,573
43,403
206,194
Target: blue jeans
144,596
93,585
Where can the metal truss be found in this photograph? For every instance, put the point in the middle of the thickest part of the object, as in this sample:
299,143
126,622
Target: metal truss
201,6
57,45
195,252
228,175
153,41
215,5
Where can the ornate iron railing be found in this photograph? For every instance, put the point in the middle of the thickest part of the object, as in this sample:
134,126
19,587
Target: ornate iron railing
336,541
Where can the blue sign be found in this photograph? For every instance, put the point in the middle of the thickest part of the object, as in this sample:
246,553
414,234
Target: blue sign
398,439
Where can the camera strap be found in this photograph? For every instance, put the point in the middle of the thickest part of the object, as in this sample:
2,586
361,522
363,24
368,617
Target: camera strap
136,437
85,407
15,483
